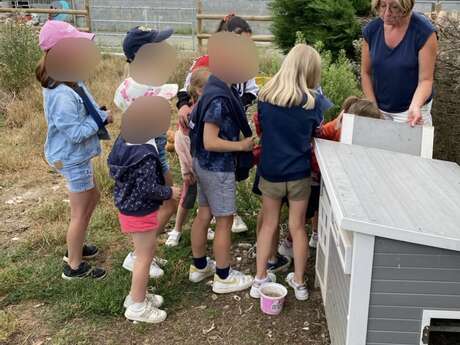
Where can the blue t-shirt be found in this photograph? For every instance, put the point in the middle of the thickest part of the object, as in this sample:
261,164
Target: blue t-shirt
219,114
395,72
286,139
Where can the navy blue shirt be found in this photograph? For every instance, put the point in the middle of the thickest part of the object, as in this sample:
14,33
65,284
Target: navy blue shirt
395,72
218,113
286,139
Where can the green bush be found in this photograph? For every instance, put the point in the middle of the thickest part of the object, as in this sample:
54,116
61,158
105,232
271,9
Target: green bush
330,21
362,7
19,53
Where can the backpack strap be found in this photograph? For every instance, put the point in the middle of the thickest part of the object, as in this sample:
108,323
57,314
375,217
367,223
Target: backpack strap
89,106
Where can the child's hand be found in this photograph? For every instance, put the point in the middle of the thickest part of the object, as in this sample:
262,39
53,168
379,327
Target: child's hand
109,118
183,115
176,193
247,144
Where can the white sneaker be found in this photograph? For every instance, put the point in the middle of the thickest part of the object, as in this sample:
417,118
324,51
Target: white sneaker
285,248
156,300
300,290
236,281
155,270
173,238
147,313
313,240
257,284
211,234
196,275
238,225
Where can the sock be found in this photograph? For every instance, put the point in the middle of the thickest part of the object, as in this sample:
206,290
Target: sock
272,261
223,272
258,280
200,263
137,306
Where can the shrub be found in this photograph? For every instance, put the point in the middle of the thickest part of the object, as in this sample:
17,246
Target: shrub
19,53
362,7
330,21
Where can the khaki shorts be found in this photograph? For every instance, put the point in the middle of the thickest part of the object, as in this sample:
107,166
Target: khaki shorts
293,190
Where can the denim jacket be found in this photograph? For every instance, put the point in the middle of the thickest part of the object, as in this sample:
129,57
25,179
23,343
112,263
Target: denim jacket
72,133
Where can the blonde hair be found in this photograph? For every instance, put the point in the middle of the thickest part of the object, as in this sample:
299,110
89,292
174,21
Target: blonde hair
299,76
405,5
198,80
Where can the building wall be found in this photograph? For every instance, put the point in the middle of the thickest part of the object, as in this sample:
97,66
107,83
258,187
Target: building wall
406,279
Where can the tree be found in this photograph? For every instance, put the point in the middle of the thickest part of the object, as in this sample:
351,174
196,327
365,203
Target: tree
330,21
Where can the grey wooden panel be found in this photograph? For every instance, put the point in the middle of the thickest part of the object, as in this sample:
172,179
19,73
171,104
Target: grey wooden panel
416,287
337,297
396,312
396,325
394,193
405,281
406,338
387,135
428,274
428,301
420,260
386,246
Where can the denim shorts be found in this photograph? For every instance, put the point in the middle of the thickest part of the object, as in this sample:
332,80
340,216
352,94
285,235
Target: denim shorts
161,142
216,190
80,178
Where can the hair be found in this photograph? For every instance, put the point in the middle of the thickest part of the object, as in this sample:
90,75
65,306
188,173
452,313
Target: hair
348,102
405,5
234,24
363,107
198,80
298,77
42,75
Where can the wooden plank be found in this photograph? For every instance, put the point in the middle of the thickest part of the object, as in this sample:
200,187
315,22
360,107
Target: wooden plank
425,301
416,274
416,287
208,16
388,246
42,10
395,325
398,312
416,261
393,338
256,38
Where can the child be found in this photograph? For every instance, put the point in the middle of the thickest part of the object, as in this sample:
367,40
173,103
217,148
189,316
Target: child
182,147
139,191
290,111
214,140
127,92
71,143
247,91
330,131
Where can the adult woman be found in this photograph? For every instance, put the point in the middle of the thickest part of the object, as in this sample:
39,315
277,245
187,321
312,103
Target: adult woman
398,59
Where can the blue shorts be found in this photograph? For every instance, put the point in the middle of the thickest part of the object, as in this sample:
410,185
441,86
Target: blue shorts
80,178
161,142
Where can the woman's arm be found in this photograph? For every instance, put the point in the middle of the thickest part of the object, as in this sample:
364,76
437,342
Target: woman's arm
212,142
427,61
366,73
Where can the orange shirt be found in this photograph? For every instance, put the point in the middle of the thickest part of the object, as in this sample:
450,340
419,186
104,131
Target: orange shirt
329,131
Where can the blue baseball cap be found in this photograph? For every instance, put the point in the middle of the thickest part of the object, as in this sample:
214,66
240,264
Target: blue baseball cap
140,35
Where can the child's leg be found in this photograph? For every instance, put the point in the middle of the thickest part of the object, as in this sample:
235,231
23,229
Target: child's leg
299,237
223,242
199,232
276,236
144,246
168,208
271,212
82,206
181,217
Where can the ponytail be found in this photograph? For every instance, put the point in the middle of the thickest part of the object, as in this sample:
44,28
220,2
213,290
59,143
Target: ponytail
233,23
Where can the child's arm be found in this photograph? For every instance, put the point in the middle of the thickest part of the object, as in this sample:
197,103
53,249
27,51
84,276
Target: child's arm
213,143
213,119
64,112
146,180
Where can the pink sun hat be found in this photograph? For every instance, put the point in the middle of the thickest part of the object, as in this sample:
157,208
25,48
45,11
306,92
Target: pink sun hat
55,30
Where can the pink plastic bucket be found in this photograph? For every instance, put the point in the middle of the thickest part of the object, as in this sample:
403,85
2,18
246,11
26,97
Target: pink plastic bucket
272,298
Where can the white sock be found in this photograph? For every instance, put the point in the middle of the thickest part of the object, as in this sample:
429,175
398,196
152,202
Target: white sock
138,306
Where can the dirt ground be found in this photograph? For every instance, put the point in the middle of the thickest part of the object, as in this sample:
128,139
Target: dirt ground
212,319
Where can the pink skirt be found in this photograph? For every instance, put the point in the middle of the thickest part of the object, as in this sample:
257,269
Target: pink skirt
130,224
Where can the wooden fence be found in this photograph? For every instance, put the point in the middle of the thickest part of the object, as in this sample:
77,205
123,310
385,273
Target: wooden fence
76,13
200,17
